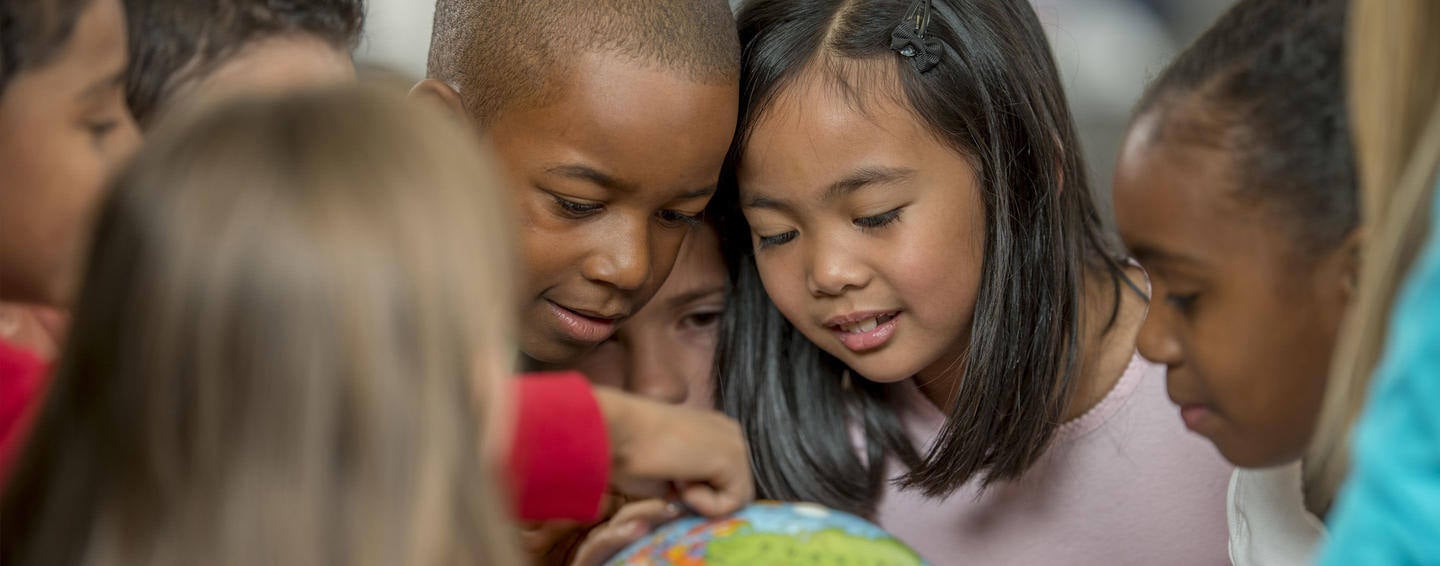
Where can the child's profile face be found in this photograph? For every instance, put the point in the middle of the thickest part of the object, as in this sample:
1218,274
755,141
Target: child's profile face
868,231
667,350
1244,321
609,180
63,127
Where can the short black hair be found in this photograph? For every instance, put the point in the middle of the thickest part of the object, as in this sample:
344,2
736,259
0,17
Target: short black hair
173,41
1266,84
497,52
995,96
32,31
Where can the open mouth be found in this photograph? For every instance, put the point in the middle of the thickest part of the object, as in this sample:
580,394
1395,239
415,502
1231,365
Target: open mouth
864,331
865,325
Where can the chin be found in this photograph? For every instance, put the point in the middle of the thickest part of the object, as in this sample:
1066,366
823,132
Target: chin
1244,455
548,354
876,367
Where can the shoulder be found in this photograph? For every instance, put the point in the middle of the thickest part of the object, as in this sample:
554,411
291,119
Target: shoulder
1268,522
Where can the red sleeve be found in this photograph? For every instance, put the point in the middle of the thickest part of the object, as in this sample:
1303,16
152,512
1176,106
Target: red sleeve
22,377
560,458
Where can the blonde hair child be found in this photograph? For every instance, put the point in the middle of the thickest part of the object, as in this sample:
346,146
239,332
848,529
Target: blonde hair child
292,331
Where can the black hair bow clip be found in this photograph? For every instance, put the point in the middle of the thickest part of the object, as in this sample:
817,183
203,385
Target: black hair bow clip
910,41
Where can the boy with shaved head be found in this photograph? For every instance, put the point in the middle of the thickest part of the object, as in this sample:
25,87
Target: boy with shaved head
613,118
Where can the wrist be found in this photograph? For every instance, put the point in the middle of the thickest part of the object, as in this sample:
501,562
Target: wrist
616,409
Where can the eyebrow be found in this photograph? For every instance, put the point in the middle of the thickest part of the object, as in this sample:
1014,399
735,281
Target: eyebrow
858,179
100,86
610,182
1144,253
589,174
695,294
867,177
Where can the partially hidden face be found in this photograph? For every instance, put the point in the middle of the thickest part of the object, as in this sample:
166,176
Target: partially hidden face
1244,319
63,128
609,180
667,350
271,65
868,230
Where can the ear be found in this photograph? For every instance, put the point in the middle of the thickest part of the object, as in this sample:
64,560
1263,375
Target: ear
435,91
1350,258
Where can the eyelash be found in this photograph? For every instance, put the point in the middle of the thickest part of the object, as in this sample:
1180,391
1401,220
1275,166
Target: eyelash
879,220
702,319
776,240
1186,303
677,218
100,129
576,209
865,223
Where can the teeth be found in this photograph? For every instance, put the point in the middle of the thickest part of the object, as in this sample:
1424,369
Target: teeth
860,326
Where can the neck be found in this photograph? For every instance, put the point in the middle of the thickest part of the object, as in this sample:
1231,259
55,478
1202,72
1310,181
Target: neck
1105,349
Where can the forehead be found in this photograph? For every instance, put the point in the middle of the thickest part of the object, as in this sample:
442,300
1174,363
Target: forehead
1180,198
277,64
824,123
96,43
634,119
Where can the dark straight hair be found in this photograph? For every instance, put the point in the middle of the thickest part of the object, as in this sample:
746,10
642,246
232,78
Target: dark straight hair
996,98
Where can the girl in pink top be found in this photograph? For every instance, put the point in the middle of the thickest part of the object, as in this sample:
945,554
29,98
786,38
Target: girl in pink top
930,326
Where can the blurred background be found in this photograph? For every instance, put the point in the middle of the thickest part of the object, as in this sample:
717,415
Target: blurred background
1107,51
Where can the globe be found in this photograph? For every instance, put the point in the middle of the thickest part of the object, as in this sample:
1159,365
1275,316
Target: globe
770,534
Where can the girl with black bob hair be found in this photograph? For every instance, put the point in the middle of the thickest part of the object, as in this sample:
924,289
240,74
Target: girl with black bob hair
926,304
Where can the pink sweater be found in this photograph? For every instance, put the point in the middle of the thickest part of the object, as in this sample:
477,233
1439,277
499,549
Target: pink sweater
1125,483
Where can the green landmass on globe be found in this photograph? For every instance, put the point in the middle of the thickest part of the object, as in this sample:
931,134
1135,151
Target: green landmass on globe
771,534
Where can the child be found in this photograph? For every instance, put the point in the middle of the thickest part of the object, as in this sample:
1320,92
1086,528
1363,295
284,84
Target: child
613,118
184,50
1236,191
930,326
315,341
1386,513
667,350
63,126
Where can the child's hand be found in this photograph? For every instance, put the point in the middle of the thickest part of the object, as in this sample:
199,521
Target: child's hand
657,447
634,521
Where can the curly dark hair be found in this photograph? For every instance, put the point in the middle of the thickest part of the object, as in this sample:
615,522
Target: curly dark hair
172,41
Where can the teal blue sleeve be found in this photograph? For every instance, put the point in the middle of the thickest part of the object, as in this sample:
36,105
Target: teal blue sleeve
1389,511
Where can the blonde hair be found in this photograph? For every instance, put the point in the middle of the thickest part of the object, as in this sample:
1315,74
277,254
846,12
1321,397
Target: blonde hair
1395,121
292,313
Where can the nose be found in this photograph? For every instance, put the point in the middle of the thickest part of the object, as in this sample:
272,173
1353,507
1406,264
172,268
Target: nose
656,375
834,270
1158,341
623,259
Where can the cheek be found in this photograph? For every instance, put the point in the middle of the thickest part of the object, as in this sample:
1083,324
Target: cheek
783,277
1264,362
936,266
549,250
665,246
605,366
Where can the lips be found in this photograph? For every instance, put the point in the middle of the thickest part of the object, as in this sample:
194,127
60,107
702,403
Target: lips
862,331
583,325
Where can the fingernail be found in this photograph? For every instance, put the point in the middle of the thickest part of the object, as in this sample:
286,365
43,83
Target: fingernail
674,509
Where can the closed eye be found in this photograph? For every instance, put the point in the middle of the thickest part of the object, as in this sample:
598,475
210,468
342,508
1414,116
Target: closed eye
1185,303
576,209
776,240
677,218
879,220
